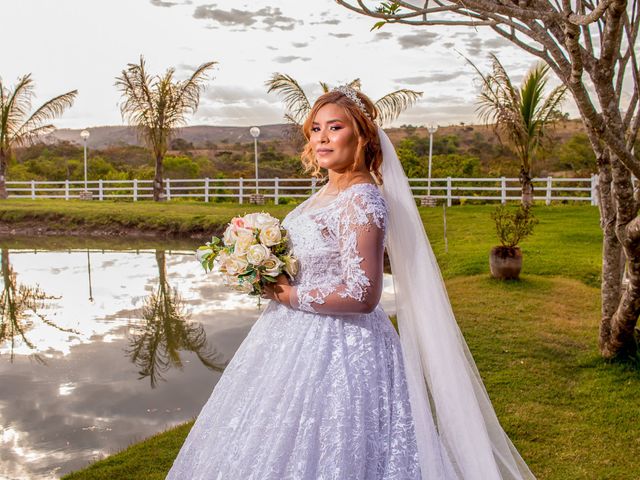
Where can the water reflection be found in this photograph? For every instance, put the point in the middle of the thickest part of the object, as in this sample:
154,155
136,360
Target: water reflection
112,317
164,330
20,307
102,319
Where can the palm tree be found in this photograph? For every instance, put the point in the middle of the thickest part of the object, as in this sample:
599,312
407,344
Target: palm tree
19,305
521,115
157,106
17,127
298,105
156,344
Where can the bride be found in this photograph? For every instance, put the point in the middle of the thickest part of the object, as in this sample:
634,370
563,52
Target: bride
323,387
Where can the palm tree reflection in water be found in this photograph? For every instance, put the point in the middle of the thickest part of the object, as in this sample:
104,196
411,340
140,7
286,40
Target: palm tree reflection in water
164,330
20,306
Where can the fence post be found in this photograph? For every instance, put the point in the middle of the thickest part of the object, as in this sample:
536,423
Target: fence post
503,190
594,190
448,191
135,189
206,189
100,190
167,188
313,185
276,193
33,189
548,199
241,190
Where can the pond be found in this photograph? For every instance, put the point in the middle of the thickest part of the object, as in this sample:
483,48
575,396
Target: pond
103,344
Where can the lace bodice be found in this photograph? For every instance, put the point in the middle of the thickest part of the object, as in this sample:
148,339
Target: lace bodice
340,247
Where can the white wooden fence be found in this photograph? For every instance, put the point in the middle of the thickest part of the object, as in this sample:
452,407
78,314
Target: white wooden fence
448,189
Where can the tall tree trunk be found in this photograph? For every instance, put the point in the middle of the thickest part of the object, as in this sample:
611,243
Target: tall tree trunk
158,186
620,340
612,255
527,187
3,172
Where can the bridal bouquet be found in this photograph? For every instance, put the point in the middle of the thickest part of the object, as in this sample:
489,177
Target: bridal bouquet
252,252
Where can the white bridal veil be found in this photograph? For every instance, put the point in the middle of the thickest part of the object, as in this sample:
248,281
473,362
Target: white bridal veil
444,384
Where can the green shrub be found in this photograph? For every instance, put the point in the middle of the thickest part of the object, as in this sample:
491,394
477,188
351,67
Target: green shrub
513,225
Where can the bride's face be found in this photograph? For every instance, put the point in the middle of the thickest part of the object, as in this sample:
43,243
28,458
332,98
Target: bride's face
333,138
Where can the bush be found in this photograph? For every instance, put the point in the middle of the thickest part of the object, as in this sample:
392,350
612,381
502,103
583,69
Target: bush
180,167
513,226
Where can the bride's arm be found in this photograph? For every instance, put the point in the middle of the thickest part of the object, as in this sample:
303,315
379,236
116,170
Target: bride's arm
361,233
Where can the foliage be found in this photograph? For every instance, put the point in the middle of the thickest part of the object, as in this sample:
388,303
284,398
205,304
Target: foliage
521,115
413,153
63,160
298,105
158,105
576,154
181,167
513,226
19,128
294,97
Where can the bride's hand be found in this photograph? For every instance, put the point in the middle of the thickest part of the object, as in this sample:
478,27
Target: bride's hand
278,291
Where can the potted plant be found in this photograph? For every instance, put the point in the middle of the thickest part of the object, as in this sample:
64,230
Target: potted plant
512,226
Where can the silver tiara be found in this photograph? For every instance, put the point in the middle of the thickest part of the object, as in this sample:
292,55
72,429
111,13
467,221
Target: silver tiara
351,94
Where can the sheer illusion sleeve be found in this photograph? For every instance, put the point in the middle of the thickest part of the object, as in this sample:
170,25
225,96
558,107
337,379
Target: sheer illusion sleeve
361,230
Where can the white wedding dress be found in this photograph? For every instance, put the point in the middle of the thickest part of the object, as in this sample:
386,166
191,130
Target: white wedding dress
317,390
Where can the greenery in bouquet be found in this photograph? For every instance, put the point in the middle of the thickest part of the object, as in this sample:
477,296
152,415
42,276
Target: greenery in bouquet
253,250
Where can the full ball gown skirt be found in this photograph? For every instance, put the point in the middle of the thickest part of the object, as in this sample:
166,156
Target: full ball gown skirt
312,395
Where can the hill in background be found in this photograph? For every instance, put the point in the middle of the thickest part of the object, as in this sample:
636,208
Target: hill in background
223,152
199,135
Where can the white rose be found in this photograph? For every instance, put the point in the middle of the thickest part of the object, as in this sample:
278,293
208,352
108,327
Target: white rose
273,266
244,241
291,265
230,235
260,220
250,220
222,258
257,254
270,235
235,265
264,220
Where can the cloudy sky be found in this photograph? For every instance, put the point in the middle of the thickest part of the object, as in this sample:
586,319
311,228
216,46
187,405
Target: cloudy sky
85,44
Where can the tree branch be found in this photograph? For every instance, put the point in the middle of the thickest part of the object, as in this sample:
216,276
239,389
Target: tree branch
592,17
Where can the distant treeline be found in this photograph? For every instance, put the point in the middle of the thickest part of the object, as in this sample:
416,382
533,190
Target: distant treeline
468,151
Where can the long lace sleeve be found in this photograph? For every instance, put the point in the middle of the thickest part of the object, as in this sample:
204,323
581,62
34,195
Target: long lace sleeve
361,229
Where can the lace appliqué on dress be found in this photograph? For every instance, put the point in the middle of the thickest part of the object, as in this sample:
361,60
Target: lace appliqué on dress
358,221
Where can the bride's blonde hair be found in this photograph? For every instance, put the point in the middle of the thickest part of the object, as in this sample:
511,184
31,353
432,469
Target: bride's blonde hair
368,149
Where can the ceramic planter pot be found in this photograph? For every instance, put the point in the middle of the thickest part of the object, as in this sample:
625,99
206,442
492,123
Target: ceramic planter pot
505,263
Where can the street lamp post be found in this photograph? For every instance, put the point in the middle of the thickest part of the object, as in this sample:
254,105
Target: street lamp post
86,194
431,129
256,198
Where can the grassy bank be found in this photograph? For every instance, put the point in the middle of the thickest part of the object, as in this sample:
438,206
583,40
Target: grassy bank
136,218
534,341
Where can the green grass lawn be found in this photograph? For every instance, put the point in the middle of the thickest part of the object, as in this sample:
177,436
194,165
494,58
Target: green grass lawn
168,217
571,415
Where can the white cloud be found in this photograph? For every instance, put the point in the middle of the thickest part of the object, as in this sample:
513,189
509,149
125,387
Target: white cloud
250,42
